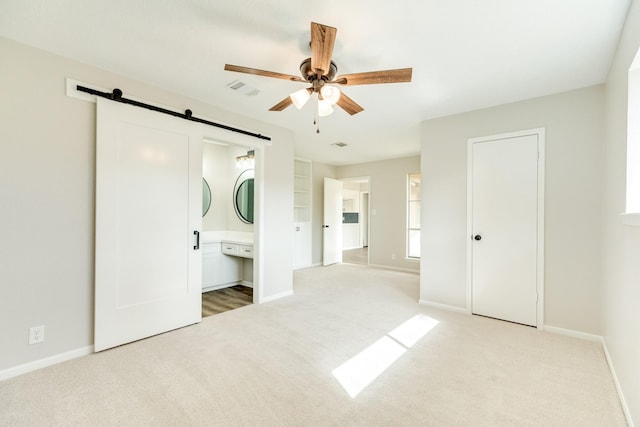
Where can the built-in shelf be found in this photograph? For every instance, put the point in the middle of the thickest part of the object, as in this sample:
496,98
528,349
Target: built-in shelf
302,191
302,213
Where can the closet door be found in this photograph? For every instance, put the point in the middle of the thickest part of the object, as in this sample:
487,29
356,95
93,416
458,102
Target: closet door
505,235
148,272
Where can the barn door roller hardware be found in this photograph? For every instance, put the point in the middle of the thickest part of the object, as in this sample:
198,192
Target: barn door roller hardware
116,95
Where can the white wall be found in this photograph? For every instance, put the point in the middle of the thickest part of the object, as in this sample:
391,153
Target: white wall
275,233
47,179
388,198
214,170
574,133
621,254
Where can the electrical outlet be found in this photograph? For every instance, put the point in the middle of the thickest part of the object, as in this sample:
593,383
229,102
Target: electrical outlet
36,334
393,256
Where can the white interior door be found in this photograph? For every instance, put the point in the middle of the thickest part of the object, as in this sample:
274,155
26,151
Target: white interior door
505,228
332,222
148,277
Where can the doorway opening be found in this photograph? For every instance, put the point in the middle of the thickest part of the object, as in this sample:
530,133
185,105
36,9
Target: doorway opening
355,220
228,227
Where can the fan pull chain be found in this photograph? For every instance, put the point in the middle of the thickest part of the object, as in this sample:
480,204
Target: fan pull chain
316,118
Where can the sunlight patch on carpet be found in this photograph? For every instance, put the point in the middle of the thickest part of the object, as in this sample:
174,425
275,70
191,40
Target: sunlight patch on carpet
413,329
363,368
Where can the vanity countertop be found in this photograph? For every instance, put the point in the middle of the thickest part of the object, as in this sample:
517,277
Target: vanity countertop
240,237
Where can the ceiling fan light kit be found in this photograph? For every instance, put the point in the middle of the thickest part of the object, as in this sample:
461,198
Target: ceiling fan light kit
331,94
324,108
320,71
300,97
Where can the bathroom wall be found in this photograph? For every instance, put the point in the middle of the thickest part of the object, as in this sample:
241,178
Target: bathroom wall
214,170
220,171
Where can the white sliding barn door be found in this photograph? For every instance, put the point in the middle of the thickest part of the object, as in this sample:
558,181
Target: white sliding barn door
506,228
332,222
148,277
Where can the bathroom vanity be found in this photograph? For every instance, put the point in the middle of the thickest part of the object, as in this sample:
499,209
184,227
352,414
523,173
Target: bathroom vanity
227,259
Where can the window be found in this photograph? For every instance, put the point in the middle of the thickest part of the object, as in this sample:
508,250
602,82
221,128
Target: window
632,216
413,215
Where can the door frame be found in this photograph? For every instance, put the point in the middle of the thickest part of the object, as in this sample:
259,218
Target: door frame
365,195
224,138
367,229
540,133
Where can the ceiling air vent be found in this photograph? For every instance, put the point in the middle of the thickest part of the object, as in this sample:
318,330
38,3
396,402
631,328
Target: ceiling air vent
242,88
339,144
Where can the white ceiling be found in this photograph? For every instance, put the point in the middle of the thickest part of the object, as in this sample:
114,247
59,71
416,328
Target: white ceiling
465,54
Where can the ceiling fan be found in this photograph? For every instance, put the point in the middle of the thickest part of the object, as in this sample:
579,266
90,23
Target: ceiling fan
320,71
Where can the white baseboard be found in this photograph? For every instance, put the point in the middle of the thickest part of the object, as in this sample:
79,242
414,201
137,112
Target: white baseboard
444,306
572,333
317,264
43,363
623,401
614,376
217,287
275,297
227,285
389,267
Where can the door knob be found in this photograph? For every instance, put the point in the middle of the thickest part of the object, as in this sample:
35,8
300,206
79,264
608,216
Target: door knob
477,237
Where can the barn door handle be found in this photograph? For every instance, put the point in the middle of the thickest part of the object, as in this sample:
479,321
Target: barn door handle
477,237
197,246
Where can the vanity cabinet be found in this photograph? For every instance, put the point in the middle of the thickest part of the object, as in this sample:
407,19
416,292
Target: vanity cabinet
235,249
218,269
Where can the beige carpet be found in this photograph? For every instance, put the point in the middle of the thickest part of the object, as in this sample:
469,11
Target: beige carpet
356,256
272,364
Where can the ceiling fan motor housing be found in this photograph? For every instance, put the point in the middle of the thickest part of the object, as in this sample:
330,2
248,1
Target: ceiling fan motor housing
310,75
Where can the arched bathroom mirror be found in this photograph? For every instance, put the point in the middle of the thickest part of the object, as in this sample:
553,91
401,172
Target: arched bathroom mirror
243,196
206,197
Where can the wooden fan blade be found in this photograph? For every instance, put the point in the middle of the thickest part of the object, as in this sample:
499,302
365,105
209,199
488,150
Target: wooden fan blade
348,104
257,72
376,77
323,38
282,104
